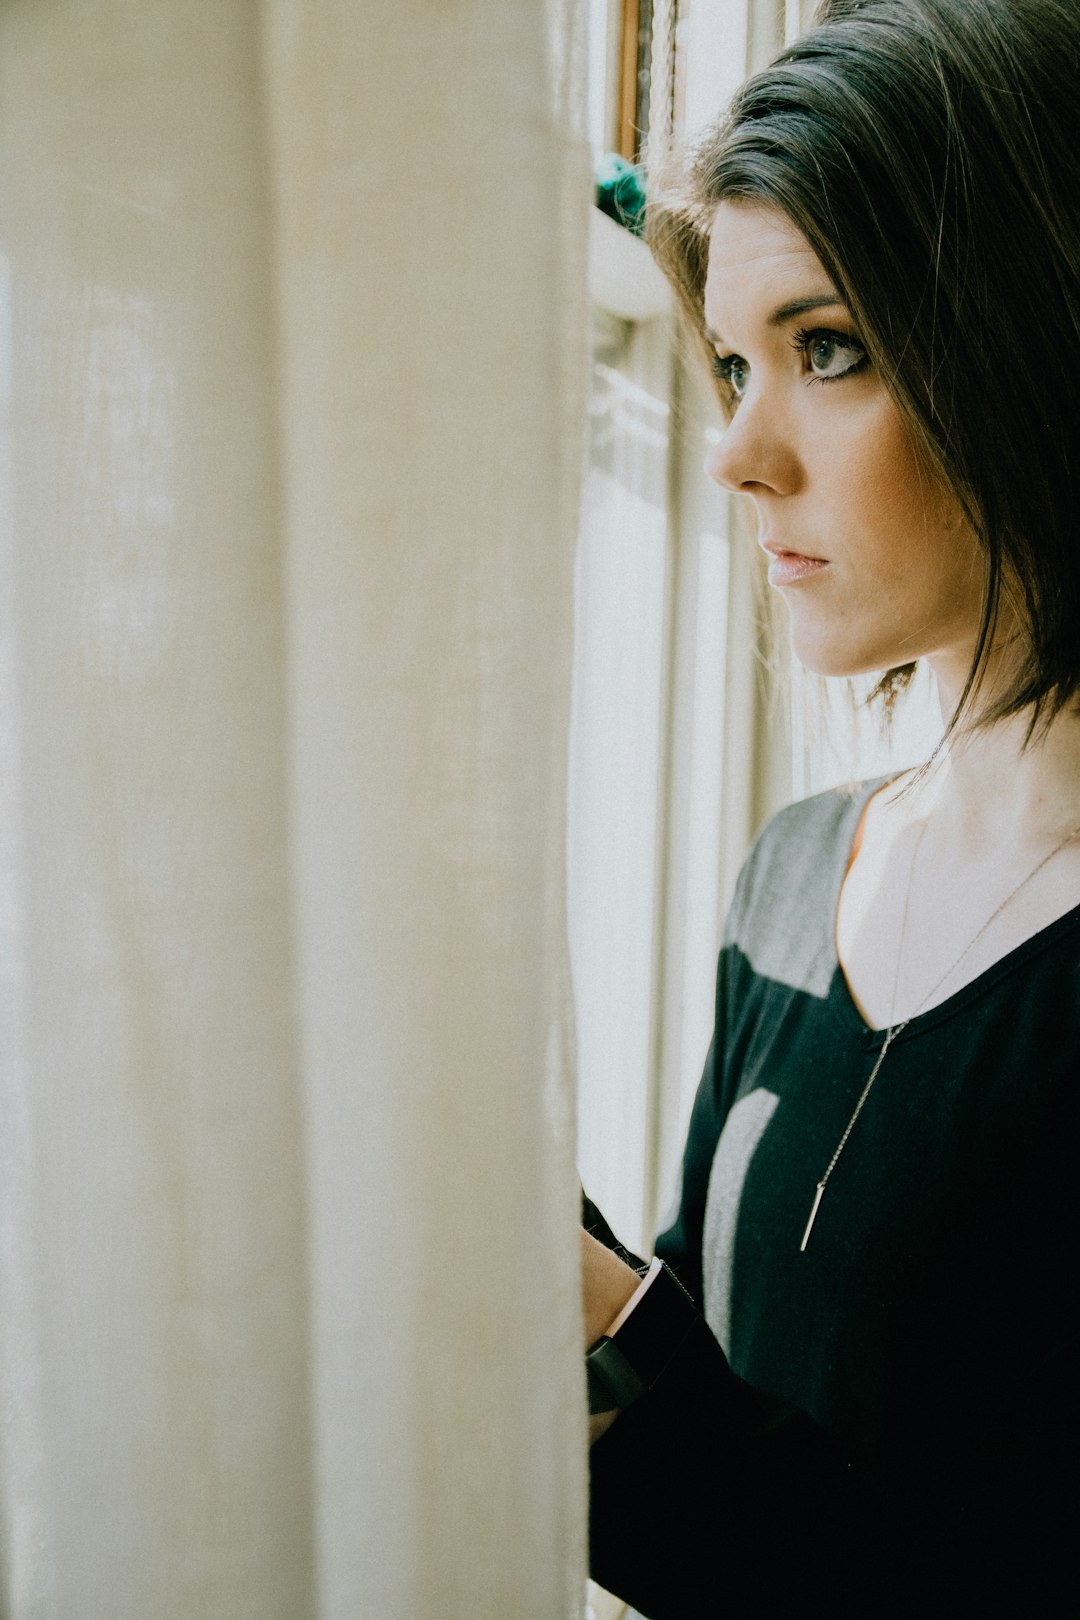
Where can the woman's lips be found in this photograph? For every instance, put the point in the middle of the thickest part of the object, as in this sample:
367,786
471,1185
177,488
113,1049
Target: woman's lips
791,568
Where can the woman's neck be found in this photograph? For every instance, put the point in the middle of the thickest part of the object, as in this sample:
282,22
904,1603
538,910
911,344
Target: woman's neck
993,790
955,868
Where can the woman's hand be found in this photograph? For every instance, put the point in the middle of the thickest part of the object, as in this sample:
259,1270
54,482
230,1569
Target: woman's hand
607,1283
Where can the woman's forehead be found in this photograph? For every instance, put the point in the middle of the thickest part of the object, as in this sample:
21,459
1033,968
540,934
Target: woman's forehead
758,262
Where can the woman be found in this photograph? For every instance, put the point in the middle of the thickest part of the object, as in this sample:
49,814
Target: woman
870,1406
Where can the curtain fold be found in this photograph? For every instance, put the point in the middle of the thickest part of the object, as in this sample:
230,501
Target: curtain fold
290,373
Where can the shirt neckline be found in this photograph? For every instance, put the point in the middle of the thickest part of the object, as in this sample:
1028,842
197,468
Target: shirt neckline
844,1002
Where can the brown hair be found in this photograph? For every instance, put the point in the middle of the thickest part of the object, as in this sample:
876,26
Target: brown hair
927,151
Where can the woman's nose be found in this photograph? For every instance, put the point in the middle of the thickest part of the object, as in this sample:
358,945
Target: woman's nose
754,450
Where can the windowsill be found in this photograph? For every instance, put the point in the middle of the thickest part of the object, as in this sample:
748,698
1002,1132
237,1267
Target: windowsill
623,279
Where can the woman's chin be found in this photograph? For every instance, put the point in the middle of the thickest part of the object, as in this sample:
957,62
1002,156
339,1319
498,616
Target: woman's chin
827,658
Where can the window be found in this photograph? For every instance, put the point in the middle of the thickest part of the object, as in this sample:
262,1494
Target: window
682,743
667,774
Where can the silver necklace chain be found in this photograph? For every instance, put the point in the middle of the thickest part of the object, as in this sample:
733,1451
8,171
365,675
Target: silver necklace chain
895,1029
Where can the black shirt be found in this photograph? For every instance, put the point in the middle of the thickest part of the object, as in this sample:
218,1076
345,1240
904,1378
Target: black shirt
888,1421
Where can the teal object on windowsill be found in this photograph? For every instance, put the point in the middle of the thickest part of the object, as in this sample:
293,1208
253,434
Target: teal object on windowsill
620,191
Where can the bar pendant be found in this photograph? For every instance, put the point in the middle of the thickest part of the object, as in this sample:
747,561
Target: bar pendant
813,1217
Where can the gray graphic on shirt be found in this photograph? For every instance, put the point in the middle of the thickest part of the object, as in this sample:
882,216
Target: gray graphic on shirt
746,1125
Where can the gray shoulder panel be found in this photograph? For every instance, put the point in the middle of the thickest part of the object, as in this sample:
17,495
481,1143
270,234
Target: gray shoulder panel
784,918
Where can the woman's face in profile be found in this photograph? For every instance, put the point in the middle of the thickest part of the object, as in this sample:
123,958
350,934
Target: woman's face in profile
874,559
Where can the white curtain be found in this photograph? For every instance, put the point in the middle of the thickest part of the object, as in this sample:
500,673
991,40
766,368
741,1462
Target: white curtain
291,378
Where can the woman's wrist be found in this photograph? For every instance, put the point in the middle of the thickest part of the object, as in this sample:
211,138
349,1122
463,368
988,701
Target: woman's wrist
608,1285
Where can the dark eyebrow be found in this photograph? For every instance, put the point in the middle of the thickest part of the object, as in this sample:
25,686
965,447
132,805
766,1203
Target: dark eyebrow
787,312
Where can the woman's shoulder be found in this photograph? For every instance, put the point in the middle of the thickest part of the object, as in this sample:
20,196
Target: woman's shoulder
822,819
783,915
810,835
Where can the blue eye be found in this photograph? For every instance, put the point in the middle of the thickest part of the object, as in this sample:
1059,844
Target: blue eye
734,372
831,355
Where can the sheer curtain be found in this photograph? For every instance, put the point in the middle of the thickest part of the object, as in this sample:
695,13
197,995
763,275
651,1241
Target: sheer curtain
291,377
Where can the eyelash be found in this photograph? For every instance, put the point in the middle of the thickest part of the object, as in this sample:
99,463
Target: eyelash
804,336
801,340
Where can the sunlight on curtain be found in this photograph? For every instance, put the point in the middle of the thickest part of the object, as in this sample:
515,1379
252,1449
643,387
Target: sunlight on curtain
290,412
